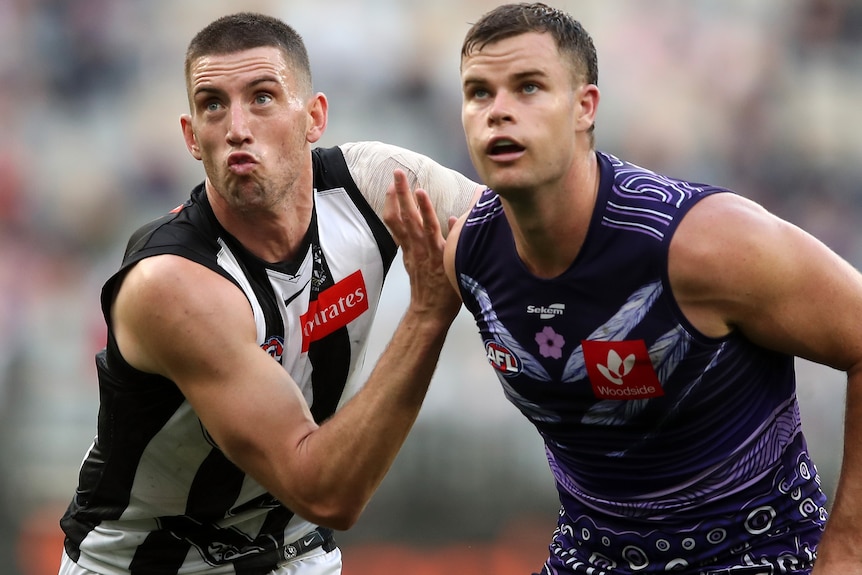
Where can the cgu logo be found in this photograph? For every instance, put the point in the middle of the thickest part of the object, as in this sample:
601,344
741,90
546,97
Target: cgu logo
621,370
334,308
502,359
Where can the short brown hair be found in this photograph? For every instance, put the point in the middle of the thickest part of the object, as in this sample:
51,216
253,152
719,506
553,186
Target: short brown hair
247,30
511,20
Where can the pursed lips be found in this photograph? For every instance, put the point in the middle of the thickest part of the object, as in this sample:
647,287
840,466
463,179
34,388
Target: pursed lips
241,162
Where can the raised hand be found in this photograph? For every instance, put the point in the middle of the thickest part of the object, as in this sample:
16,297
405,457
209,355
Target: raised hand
413,222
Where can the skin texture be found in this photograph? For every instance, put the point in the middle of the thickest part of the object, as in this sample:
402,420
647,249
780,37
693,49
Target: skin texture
253,131
733,266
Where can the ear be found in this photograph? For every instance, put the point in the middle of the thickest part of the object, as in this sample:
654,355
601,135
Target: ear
587,103
189,136
318,115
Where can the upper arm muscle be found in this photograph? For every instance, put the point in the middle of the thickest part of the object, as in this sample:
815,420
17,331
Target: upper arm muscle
733,265
178,319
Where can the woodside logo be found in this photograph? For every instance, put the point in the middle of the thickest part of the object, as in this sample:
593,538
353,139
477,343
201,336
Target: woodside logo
334,308
621,370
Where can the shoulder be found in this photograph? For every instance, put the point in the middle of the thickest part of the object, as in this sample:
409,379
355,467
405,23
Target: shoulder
185,230
165,303
375,151
472,226
721,224
371,165
450,249
635,183
727,257
177,288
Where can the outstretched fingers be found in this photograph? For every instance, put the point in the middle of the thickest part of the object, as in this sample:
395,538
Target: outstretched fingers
407,213
411,217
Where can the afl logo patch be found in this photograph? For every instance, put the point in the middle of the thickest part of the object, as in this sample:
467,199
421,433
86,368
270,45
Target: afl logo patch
274,346
502,359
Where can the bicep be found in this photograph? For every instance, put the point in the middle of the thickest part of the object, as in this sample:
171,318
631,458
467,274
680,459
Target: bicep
196,328
734,266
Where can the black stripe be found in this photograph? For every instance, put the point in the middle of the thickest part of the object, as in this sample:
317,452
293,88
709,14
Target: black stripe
275,523
331,171
330,358
330,355
131,414
160,554
215,488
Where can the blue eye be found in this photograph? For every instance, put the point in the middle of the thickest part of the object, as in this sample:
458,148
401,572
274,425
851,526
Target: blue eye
531,89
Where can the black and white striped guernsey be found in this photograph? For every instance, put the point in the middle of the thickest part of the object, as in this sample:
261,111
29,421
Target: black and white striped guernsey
155,494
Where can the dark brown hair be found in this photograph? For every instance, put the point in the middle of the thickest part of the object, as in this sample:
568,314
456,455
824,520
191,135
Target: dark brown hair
247,30
510,20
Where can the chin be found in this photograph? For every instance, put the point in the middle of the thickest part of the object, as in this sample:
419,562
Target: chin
504,185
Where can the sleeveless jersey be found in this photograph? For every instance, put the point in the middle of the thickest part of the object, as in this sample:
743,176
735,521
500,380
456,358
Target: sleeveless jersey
670,450
155,494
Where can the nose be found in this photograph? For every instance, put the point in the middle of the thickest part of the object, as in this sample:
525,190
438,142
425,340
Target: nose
239,130
501,109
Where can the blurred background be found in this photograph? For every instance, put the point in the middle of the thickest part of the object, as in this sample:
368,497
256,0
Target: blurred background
762,97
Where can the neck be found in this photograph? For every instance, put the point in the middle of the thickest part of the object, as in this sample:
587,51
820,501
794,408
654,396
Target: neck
550,224
274,233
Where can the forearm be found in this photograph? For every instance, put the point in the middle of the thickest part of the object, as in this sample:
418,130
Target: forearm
348,456
840,551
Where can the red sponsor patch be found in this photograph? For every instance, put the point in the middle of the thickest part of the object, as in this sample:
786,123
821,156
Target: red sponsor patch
621,370
334,308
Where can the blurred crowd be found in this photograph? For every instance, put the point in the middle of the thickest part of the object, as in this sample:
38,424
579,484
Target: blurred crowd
761,97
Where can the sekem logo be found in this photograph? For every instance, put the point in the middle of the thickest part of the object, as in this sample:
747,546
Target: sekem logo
621,370
547,312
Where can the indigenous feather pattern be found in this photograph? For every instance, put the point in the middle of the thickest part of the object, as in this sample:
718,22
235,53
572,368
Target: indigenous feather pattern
618,327
530,365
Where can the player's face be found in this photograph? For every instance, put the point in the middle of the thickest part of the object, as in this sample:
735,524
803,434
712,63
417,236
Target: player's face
251,125
520,112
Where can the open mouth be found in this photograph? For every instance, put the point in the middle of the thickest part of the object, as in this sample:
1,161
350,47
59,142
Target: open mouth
504,147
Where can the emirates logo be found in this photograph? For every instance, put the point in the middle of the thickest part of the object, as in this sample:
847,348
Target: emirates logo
334,308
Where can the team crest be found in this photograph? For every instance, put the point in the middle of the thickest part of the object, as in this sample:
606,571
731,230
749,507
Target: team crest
274,346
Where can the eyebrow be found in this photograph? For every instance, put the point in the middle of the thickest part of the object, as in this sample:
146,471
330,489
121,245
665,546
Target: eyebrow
530,74
517,77
208,89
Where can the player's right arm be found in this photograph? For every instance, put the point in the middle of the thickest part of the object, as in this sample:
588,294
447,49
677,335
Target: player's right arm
176,318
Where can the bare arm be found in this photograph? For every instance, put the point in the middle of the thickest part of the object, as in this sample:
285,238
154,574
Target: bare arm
735,266
181,320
